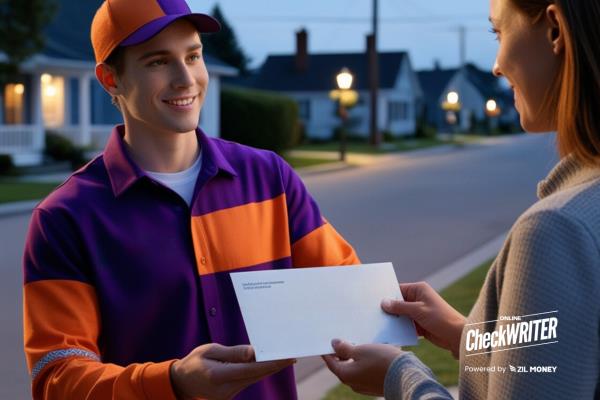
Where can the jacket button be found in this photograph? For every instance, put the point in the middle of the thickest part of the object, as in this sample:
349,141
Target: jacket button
213,312
203,260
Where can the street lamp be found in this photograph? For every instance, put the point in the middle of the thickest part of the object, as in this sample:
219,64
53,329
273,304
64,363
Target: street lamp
452,106
492,110
344,79
452,98
345,98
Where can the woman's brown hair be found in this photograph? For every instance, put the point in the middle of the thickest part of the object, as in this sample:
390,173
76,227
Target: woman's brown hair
575,96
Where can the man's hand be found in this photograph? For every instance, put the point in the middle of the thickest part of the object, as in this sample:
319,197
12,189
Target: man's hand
435,319
364,367
212,371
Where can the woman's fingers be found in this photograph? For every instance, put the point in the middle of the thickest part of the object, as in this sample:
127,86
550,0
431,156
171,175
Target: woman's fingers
343,350
399,307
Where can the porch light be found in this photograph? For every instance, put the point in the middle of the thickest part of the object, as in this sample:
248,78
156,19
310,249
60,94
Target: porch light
50,91
19,89
46,78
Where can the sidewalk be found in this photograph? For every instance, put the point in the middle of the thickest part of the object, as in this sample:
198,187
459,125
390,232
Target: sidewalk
316,385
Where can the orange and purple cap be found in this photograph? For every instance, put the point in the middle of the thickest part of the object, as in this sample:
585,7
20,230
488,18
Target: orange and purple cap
130,22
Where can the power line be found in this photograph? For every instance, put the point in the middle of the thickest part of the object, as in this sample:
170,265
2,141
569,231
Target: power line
358,20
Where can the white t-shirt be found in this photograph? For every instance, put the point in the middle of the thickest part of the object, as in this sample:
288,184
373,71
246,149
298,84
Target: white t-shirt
183,182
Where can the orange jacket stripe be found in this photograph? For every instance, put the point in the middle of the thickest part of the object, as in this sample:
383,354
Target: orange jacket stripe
59,314
323,247
250,234
61,329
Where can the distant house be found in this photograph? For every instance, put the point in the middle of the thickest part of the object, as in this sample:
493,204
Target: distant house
58,92
474,87
309,78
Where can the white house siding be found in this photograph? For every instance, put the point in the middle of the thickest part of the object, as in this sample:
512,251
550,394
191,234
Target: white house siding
406,90
322,114
209,117
322,110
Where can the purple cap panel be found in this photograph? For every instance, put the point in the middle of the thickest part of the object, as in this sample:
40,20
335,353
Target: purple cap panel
171,7
203,23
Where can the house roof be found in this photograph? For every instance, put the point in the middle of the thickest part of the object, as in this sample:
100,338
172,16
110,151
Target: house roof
278,73
435,81
68,35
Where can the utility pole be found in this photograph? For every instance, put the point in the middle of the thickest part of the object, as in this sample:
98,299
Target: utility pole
374,136
463,44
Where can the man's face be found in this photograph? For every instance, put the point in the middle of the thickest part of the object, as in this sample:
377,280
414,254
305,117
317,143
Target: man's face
164,80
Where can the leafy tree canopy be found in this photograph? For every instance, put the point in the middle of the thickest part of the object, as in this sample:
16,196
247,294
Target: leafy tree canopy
224,44
22,24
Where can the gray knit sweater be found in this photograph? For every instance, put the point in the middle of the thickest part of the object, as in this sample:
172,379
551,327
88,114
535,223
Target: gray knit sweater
550,262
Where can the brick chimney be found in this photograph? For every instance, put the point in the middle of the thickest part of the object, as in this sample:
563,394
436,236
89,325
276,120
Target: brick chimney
301,50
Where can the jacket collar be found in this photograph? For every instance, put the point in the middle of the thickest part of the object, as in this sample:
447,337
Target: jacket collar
123,172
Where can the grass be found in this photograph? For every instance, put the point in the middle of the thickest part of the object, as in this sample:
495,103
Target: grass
399,145
301,162
387,147
461,295
11,191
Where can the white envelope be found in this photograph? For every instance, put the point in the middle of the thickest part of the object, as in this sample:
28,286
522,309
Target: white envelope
295,313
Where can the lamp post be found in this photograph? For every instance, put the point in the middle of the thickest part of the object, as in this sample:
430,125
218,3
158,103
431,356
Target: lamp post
492,110
344,82
452,106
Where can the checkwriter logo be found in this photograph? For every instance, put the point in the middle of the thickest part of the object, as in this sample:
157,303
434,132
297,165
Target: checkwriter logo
511,333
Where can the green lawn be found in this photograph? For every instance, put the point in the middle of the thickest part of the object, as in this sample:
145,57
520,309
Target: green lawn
461,295
19,191
301,162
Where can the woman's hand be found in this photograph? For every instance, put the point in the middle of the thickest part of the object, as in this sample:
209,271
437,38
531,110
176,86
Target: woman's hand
364,367
435,319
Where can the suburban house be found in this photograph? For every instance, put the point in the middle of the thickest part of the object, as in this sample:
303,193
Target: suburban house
473,88
57,91
309,79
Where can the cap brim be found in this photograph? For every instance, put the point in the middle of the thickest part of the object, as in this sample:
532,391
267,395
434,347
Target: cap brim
204,23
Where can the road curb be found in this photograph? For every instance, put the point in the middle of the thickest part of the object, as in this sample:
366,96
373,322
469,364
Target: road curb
316,385
16,208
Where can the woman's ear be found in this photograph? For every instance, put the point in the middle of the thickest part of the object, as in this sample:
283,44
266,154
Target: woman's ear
556,33
107,78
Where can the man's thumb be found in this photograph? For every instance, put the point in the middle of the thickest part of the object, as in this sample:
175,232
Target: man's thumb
233,354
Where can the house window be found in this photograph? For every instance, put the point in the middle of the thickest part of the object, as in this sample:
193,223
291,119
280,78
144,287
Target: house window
304,109
397,110
53,100
14,103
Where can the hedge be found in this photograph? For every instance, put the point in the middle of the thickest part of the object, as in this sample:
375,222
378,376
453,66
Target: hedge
6,165
61,148
259,119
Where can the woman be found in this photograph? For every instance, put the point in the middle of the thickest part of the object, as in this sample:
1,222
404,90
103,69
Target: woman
550,264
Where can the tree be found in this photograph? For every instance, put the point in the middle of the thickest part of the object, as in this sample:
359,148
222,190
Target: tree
224,44
22,26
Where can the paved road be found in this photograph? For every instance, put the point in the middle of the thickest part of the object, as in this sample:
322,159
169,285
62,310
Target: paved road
419,211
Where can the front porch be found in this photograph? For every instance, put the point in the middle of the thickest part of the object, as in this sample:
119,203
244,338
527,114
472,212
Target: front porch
52,98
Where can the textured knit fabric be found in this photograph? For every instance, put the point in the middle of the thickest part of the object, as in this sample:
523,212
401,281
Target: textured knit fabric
122,277
550,263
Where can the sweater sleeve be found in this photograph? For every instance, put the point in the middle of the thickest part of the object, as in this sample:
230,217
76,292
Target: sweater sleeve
409,379
62,324
551,267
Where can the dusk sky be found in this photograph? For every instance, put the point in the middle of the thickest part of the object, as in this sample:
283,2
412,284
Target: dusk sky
428,30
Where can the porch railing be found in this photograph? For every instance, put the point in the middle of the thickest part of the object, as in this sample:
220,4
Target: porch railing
21,139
